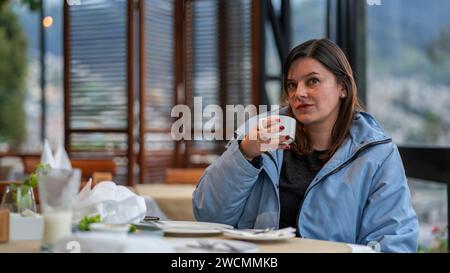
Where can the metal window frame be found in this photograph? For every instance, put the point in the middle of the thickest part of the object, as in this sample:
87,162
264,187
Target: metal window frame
345,25
282,30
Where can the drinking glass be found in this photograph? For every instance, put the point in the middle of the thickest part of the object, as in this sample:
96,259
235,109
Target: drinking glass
57,191
18,199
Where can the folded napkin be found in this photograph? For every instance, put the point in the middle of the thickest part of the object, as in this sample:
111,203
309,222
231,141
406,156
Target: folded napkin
114,203
59,186
97,242
59,161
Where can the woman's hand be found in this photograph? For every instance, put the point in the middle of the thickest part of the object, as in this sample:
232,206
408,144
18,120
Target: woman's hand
259,139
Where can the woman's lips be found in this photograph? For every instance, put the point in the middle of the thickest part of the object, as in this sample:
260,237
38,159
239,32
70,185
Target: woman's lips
303,107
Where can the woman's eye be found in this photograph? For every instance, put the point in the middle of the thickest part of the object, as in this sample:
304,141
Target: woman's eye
291,86
313,81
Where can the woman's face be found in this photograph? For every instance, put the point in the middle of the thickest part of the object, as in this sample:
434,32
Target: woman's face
313,92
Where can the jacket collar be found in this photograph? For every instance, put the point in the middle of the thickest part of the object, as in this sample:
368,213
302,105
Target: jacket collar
364,131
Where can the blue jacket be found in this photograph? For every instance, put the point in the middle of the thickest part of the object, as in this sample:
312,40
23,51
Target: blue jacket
360,196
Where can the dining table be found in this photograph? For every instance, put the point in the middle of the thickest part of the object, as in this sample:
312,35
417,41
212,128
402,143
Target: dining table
292,245
176,202
187,236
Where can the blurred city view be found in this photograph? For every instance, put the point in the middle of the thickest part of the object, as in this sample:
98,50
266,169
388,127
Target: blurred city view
408,64
408,90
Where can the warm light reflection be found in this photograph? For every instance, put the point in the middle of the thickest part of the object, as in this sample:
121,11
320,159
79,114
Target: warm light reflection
47,21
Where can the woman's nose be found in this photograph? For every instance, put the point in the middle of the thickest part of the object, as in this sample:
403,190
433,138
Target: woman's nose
301,91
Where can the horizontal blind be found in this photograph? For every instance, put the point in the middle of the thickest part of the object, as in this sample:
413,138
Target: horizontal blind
98,64
219,65
98,77
202,68
238,51
159,89
238,54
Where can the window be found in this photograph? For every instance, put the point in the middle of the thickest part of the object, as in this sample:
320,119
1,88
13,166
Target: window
203,46
158,94
430,204
218,41
408,60
23,120
20,94
308,20
54,72
408,91
273,68
98,91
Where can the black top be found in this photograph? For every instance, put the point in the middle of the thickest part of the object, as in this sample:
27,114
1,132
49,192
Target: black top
297,173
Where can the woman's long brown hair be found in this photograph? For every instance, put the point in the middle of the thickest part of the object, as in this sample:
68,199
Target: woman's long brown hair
331,56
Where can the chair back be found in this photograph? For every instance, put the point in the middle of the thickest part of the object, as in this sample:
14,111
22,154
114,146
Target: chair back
183,175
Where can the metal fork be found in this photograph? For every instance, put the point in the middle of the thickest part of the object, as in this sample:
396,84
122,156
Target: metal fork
266,230
208,245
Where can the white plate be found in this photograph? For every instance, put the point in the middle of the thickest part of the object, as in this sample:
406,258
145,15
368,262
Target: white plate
191,227
212,245
249,236
109,228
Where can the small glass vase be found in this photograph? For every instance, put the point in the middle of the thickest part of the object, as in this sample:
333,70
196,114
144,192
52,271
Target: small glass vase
19,199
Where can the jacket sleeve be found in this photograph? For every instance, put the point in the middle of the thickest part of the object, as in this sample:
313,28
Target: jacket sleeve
222,191
389,220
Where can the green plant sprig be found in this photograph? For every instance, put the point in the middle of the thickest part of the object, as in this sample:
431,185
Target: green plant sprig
31,181
87,221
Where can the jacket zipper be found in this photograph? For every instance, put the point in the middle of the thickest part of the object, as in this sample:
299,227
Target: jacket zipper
276,190
340,167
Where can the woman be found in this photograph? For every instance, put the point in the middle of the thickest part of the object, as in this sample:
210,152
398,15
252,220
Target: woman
342,179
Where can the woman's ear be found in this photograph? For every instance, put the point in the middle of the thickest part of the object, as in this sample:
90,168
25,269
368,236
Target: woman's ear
342,92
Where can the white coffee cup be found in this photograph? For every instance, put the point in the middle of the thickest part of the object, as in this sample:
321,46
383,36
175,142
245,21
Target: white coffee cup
289,124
